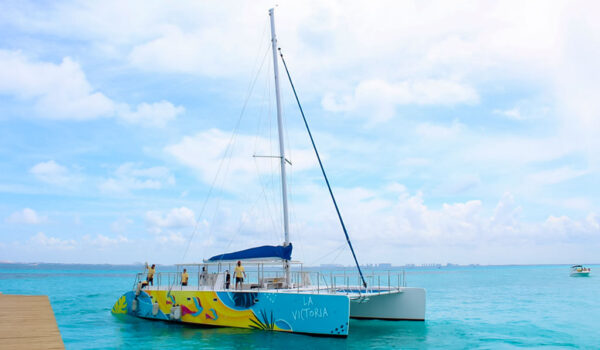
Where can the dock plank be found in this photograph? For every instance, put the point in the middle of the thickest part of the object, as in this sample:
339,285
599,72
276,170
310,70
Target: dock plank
28,322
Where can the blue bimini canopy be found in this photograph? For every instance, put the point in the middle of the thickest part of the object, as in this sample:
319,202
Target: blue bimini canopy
265,251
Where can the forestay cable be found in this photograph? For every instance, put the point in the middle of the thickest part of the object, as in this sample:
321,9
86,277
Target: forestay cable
323,170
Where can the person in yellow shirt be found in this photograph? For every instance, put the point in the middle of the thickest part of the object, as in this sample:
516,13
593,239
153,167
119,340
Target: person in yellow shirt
184,278
150,277
239,274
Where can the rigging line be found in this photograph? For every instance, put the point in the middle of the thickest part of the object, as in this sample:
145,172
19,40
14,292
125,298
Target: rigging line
239,229
323,170
265,107
271,186
229,152
265,180
271,178
228,155
264,193
337,256
234,132
341,246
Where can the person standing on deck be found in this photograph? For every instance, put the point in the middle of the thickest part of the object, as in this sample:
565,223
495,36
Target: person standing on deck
240,274
227,279
184,278
150,277
204,276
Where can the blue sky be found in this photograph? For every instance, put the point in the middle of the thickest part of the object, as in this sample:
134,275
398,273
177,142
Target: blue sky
452,132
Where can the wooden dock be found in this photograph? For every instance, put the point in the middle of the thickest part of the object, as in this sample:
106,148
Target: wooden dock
27,322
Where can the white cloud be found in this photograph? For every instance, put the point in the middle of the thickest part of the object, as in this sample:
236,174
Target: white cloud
103,241
406,224
176,218
214,150
554,176
53,173
535,108
179,52
514,113
120,225
506,212
368,41
381,97
503,150
505,48
26,216
172,237
415,162
42,240
436,132
62,92
129,177
155,114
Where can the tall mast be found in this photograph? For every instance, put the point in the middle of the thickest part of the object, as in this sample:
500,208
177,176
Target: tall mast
286,230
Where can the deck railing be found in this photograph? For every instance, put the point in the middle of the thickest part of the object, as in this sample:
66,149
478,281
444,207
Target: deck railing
302,281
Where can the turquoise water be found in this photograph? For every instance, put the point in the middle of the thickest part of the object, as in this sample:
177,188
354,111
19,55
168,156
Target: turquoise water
467,307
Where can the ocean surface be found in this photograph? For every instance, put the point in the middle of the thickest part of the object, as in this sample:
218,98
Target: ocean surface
488,307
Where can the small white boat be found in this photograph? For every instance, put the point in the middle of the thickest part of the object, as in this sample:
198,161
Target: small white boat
580,271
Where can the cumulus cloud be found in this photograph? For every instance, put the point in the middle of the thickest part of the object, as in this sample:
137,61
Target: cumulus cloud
130,176
207,151
436,132
554,176
62,92
40,239
175,218
565,229
103,241
176,51
53,173
381,227
382,97
172,238
120,225
26,216
513,113
154,114
364,60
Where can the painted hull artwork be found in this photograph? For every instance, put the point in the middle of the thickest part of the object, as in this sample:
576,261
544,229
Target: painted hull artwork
287,312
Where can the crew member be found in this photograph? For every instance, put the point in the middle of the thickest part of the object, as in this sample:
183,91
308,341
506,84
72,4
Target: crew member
240,274
150,277
184,278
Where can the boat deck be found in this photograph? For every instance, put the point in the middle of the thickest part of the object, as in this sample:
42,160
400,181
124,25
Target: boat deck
353,292
27,322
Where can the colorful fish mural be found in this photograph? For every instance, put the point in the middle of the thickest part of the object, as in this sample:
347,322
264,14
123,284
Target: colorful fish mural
286,312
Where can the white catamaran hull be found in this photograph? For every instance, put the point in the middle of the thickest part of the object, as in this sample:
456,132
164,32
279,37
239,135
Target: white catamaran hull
408,304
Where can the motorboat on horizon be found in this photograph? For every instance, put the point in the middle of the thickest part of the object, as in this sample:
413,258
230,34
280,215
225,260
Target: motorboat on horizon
580,271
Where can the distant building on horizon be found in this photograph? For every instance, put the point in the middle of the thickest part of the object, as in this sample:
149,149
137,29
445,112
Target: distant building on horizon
329,266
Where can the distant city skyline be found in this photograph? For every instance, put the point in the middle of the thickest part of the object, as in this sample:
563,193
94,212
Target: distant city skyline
451,131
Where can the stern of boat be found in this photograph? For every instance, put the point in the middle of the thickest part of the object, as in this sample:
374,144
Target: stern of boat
403,304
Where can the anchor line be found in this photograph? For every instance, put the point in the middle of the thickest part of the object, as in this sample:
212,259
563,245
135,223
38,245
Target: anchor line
323,170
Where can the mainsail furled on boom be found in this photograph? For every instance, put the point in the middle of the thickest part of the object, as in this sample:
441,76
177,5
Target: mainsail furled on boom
262,252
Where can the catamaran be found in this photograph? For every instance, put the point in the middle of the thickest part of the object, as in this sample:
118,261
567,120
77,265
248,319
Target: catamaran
279,293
